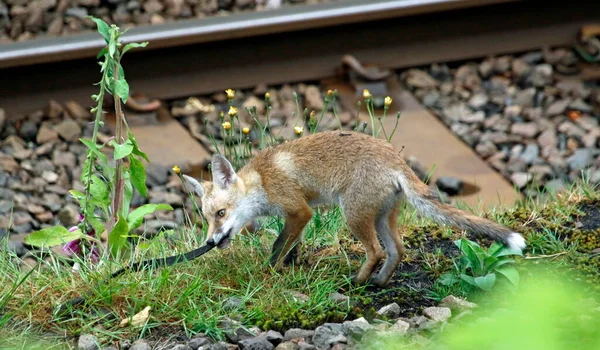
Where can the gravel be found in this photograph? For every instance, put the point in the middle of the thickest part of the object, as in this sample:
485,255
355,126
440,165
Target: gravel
527,115
26,20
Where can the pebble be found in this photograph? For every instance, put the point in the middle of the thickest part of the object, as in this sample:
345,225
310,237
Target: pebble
88,342
438,314
392,310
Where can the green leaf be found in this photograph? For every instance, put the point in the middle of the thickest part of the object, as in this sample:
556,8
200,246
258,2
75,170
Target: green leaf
136,217
136,148
510,273
102,53
470,280
508,251
112,48
122,89
128,192
138,175
96,224
99,191
52,236
103,28
122,150
447,279
117,238
95,149
77,194
132,46
487,282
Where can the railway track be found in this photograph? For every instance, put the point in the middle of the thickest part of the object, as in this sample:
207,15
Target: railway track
286,45
306,43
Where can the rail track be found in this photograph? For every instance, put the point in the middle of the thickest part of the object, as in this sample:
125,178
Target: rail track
286,45
303,43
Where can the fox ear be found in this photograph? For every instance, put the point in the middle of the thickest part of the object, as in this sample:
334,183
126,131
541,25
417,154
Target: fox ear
223,173
195,185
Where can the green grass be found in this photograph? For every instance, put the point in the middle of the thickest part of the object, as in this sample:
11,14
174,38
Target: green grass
192,297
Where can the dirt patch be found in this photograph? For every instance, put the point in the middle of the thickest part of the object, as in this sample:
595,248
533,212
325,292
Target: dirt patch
591,219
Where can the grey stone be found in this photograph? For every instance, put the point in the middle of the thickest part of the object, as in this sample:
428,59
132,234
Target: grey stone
328,334
28,131
356,328
531,153
541,75
17,247
438,314
580,105
557,107
256,343
195,343
400,327
295,333
525,129
157,175
88,342
392,310
449,184
181,347
478,100
5,206
524,98
581,159
288,345
78,12
520,179
306,346
140,345
420,79
219,346
339,298
68,129
274,337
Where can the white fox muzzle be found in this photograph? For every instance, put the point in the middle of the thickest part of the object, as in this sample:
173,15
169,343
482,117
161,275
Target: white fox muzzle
220,239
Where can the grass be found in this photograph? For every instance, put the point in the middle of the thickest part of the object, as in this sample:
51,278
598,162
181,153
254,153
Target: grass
193,297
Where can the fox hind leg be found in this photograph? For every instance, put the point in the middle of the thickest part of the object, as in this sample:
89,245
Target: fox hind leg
387,227
362,226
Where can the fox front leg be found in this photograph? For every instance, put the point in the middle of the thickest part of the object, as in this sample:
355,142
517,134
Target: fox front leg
286,246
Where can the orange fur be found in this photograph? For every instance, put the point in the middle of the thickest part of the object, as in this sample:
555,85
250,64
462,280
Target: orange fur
362,174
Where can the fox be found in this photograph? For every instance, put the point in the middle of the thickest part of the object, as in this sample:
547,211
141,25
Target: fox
362,174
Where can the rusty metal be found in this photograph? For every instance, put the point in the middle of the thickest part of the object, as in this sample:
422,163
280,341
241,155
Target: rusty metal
235,53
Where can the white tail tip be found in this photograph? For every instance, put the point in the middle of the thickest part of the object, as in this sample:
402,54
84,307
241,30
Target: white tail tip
516,241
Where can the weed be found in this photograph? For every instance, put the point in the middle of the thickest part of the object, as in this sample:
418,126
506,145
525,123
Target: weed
480,269
105,202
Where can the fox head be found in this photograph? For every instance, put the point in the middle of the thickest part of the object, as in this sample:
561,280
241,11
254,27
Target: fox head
225,205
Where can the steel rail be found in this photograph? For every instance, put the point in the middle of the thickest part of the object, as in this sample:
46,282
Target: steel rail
206,60
194,31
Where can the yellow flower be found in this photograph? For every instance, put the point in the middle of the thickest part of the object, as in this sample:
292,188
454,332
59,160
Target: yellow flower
232,111
387,101
226,126
267,95
366,93
230,93
299,130
176,169
246,130
329,93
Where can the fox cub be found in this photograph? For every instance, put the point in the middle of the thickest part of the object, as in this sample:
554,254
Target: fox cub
364,175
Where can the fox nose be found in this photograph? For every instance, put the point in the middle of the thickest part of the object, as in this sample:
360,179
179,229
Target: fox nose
210,241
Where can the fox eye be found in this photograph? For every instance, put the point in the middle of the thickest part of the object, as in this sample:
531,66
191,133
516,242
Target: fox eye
221,213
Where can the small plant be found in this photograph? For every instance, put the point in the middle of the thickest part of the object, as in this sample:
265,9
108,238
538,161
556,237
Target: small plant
105,202
480,269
